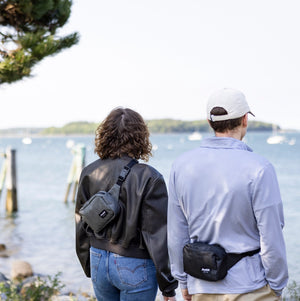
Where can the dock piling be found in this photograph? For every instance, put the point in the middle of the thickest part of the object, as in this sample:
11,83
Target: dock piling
77,165
11,181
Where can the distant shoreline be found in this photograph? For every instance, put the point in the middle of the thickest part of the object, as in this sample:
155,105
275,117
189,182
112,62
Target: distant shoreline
156,126
24,135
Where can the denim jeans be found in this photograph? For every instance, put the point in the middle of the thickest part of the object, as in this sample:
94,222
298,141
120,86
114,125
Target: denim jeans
119,278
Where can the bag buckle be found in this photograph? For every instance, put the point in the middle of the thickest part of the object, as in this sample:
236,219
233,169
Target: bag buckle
124,173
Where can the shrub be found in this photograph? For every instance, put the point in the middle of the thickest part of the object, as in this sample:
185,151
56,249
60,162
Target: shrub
38,290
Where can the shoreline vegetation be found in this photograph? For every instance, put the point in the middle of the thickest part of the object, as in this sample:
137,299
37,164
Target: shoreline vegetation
156,126
51,288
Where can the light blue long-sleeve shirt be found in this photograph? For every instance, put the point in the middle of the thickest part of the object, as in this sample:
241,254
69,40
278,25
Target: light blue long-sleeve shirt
224,193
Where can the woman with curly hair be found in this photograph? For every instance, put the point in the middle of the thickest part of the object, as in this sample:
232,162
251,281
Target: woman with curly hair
128,259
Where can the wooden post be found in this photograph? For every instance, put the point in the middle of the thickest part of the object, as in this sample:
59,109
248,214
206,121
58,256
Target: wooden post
70,180
3,173
78,163
11,182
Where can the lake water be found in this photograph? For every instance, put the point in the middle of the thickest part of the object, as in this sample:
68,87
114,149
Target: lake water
42,232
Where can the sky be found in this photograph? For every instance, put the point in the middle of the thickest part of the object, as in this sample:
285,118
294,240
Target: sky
164,58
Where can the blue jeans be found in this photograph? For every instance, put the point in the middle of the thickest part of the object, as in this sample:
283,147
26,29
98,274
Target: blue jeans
119,278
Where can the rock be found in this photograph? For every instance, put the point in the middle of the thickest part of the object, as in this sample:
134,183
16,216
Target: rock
3,278
2,247
35,280
72,298
62,298
20,270
30,283
3,254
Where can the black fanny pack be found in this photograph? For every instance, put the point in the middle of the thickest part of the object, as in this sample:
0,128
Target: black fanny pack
209,262
103,207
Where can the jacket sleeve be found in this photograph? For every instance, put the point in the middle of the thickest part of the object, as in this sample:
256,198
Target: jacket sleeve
178,233
82,240
268,210
154,231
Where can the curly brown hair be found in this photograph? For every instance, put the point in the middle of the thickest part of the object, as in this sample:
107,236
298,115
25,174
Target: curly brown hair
123,132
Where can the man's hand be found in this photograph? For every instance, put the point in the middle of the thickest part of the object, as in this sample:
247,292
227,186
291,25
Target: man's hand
185,294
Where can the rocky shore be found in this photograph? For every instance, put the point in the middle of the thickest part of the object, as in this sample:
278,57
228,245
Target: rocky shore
23,282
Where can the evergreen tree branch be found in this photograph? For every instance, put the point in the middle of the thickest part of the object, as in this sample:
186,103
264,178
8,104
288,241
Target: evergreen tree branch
31,25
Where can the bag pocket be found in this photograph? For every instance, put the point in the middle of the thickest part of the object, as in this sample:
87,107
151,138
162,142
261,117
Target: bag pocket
101,209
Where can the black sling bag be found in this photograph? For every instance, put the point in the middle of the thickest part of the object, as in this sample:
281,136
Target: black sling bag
209,262
104,206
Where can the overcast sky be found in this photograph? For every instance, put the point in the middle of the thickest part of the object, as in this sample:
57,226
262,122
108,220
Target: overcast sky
164,58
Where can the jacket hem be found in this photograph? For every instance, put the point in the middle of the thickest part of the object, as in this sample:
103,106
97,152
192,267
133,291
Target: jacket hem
131,251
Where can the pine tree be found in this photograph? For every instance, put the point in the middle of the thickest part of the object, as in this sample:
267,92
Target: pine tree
28,33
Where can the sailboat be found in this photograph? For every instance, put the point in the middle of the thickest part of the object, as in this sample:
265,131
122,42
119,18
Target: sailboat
195,136
275,138
27,140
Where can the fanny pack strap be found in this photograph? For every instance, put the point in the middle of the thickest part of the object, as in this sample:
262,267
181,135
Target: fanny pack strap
125,171
233,258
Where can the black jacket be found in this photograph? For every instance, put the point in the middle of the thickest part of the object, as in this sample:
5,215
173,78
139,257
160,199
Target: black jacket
140,230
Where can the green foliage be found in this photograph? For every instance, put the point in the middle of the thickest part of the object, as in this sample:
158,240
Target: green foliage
28,34
261,126
40,290
176,126
155,126
292,292
179,126
28,15
78,128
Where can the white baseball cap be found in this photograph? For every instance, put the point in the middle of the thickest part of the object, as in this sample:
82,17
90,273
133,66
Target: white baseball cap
231,100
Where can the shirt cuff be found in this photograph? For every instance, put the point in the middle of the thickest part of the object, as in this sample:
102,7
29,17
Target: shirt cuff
278,292
183,285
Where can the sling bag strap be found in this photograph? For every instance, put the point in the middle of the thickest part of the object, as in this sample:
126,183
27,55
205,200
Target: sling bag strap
125,171
233,258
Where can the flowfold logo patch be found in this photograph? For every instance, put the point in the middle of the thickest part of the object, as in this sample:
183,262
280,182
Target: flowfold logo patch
103,213
205,270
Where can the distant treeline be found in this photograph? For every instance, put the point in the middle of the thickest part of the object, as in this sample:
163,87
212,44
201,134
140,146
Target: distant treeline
155,126
76,128
179,126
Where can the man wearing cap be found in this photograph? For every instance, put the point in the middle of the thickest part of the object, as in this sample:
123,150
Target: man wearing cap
223,193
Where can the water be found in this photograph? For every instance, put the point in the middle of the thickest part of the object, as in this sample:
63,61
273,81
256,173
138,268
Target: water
42,232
